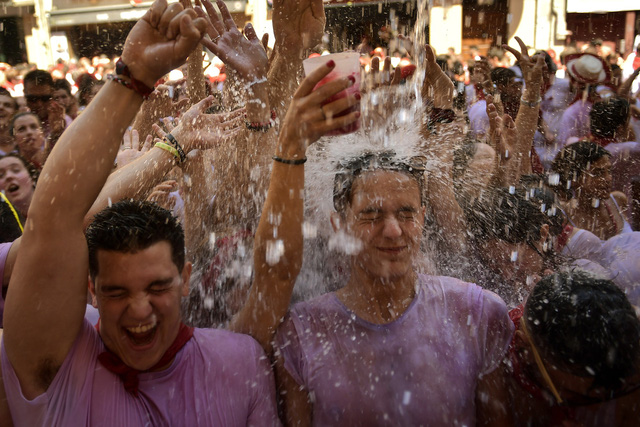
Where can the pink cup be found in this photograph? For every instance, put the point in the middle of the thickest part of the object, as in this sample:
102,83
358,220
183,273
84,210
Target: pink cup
347,64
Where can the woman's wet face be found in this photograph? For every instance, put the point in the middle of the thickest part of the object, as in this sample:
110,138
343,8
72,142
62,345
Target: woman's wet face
15,180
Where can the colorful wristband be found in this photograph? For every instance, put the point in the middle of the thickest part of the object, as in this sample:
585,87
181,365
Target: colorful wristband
261,127
169,149
132,83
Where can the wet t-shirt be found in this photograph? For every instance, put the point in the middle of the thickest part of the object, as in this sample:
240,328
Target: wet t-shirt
420,369
218,379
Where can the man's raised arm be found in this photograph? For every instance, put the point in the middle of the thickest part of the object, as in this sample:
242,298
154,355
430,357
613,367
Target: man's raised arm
47,298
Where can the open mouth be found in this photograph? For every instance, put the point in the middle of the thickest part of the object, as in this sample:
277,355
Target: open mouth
13,188
142,335
393,250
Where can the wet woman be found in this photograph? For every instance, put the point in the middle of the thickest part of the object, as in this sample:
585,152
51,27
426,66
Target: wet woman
584,173
391,345
29,137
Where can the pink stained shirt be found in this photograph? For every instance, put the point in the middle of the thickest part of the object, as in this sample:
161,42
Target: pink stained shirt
219,378
420,369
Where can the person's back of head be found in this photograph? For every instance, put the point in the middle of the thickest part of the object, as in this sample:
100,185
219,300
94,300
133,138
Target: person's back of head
514,215
130,226
38,78
585,326
572,161
502,76
608,116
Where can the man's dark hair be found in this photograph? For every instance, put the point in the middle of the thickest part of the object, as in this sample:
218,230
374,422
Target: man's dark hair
573,160
131,226
514,215
38,77
586,326
608,115
502,76
62,84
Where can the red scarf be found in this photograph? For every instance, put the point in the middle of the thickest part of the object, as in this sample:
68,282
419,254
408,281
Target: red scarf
128,375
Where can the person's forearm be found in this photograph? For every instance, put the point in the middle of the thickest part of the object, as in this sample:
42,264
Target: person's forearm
63,197
275,273
284,71
134,180
526,125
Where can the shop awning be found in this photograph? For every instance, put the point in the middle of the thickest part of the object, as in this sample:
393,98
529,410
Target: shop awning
600,6
114,13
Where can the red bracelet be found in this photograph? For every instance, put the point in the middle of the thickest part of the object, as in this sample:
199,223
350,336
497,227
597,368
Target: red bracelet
261,127
133,84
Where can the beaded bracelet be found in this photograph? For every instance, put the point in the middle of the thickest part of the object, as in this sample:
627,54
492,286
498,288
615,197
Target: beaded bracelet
290,161
168,148
261,127
132,83
171,140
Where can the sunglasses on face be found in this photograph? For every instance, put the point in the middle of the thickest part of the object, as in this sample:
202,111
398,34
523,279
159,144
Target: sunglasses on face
36,98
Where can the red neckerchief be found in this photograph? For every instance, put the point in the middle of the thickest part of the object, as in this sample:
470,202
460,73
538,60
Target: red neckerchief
128,375
559,413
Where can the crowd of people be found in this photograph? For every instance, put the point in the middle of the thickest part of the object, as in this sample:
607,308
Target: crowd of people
484,269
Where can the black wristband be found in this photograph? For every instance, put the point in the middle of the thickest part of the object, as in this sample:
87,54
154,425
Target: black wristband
290,161
171,140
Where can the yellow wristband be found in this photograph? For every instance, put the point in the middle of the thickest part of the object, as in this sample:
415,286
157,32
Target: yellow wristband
168,148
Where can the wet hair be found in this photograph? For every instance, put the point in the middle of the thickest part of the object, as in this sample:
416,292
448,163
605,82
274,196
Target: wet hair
33,171
585,325
62,84
608,115
514,215
502,76
38,77
17,116
350,169
572,161
130,226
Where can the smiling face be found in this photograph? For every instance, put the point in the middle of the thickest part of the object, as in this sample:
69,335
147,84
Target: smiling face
16,182
28,135
138,296
386,216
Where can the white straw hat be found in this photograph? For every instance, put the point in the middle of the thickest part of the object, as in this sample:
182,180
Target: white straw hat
588,68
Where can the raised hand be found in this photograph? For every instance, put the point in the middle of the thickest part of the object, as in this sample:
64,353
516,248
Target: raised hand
56,118
502,132
131,148
437,85
308,119
198,130
161,41
298,24
246,55
532,73
161,194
